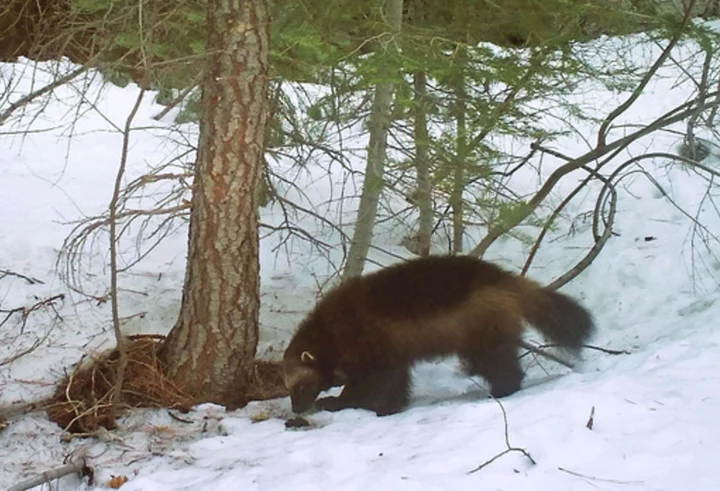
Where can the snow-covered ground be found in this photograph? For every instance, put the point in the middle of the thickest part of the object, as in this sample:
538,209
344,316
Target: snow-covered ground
653,292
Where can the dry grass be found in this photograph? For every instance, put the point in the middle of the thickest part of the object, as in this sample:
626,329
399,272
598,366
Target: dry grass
81,403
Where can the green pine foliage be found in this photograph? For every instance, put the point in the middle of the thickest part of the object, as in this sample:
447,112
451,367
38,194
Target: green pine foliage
503,56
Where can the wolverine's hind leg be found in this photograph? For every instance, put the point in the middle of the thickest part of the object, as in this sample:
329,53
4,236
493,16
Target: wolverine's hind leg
492,353
385,391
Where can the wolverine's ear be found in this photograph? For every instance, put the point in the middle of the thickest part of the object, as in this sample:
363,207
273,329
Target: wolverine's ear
307,357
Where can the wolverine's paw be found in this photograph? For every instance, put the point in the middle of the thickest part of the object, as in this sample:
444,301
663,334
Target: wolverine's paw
330,404
387,411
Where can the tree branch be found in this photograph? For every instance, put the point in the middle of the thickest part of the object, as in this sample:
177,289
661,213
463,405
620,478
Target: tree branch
27,99
539,351
673,116
119,339
604,127
509,448
76,465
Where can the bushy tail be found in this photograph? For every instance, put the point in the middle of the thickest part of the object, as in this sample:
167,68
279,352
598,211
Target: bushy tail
559,317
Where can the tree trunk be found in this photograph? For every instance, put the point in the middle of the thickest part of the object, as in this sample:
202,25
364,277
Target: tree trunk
461,151
379,124
422,166
210,350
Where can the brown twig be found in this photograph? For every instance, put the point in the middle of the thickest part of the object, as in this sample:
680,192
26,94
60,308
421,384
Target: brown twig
606,350
29,279
591,420
26,351
179,98
599,244
119,339
26,311
538,351
18,408
590,346
536,246
178,418
509,448
40,92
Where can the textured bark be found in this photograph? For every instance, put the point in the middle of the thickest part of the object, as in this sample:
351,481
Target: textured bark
211,347
376,153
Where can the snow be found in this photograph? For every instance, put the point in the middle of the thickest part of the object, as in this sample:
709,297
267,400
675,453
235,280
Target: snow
653,292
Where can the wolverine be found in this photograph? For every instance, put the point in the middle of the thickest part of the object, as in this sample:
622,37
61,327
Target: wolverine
367,332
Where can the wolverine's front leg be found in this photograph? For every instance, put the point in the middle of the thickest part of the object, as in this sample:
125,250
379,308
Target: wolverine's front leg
385,391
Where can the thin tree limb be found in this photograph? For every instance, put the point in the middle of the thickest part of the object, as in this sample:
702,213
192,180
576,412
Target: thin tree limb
673,116
119,339
509,448
539,351
76,465
599,479
179,98
605,126
40,92
599,244
29,279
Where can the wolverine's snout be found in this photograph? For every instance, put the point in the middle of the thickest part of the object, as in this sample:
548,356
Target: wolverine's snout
303,384
303,397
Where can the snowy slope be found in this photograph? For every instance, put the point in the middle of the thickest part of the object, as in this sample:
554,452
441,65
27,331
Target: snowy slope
655,408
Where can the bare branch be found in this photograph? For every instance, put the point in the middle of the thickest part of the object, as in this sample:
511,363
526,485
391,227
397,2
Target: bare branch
76,465
591,478
16,356
509,448
119,339
181,96
546,228
673,116
26,311
30,280
605,126
607,351
23,101
599,244
539,351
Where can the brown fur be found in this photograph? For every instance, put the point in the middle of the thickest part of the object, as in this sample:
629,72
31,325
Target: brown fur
367,332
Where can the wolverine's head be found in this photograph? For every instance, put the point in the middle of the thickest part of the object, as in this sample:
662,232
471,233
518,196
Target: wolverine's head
303,378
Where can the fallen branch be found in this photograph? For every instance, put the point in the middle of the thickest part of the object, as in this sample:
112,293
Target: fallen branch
76,465
600,479
178,418
509,448
538,351
16,409
607,351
